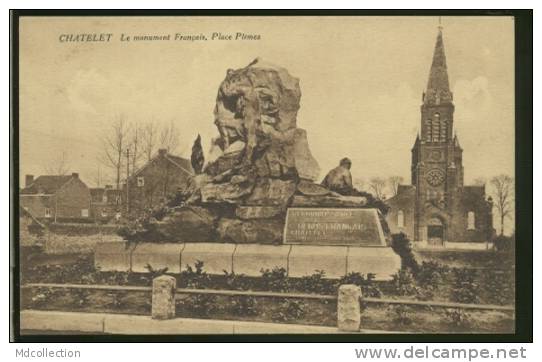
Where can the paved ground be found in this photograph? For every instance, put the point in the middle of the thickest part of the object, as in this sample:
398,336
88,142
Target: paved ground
43,322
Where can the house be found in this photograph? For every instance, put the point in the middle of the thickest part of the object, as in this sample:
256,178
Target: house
106,203
437,207
56,198
155,181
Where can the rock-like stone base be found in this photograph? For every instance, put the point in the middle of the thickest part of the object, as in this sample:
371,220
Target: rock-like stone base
249,259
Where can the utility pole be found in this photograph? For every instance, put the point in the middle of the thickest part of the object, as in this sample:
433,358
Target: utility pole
127,181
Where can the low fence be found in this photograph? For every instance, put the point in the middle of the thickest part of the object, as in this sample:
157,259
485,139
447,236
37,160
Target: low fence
349,299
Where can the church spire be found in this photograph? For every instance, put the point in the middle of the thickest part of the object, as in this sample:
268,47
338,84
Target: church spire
438,86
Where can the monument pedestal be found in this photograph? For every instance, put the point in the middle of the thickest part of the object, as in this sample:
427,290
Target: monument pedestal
250,259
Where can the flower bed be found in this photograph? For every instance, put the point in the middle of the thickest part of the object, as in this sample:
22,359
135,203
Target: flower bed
432,281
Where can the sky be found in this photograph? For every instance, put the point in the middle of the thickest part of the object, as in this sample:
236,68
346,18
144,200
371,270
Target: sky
361,81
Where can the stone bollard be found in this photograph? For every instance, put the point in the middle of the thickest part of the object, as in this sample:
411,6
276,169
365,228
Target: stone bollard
348,308
163,297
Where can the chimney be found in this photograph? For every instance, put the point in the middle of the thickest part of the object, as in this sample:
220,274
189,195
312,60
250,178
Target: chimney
75,175
162,151
28,179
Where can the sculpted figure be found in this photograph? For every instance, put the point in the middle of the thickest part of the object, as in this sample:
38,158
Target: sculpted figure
340,179
256,116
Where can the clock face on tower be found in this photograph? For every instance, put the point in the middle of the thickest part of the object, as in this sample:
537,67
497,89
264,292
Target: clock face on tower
435,155
435,177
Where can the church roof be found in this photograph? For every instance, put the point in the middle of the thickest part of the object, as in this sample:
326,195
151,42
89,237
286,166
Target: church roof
438,86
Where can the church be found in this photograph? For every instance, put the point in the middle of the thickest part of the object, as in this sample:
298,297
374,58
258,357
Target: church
437,207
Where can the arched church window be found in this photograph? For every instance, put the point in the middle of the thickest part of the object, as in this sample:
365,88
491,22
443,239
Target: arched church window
428,130
471,220
400,219
443,130
435,128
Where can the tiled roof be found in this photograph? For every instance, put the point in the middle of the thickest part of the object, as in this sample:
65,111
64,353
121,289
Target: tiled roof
47,184
182,162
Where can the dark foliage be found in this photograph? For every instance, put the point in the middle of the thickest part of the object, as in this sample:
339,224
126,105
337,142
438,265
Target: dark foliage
403,283
465,288
505,243
289,310
401,246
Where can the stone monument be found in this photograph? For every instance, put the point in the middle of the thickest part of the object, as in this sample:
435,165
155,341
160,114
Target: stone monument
259,187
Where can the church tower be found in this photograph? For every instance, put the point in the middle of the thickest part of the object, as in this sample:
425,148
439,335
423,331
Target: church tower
437,169
437,208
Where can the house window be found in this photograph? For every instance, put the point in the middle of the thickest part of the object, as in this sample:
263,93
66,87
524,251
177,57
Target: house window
117,200
140,181
471,220
84,212
400,219
104,198
47,212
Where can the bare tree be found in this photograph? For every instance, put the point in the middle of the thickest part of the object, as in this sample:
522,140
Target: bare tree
378,185
135,145
394,182
59,165
503,191
480,181
97,177
359,183
114,142
149,139
170,138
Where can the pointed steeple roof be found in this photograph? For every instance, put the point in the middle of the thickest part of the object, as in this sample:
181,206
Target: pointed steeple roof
417,141
456,141
438,86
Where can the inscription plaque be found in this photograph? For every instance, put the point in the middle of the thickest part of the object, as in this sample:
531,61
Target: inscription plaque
322,226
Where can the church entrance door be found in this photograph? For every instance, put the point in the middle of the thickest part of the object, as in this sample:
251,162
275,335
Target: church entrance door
435,234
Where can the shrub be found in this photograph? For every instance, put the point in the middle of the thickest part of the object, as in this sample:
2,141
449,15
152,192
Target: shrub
401,314
316,283
155,273
195,277
115,300
289,310
201,305
368,285
500,287
401,245
236,281
275,280
42,297
505,243
431,274
403,283
464,288
243,306
80,297
456,317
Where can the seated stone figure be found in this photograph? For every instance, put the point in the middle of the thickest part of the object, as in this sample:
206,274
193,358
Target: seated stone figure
340,179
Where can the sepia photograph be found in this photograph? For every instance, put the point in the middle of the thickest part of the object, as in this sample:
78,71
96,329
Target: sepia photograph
267,175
